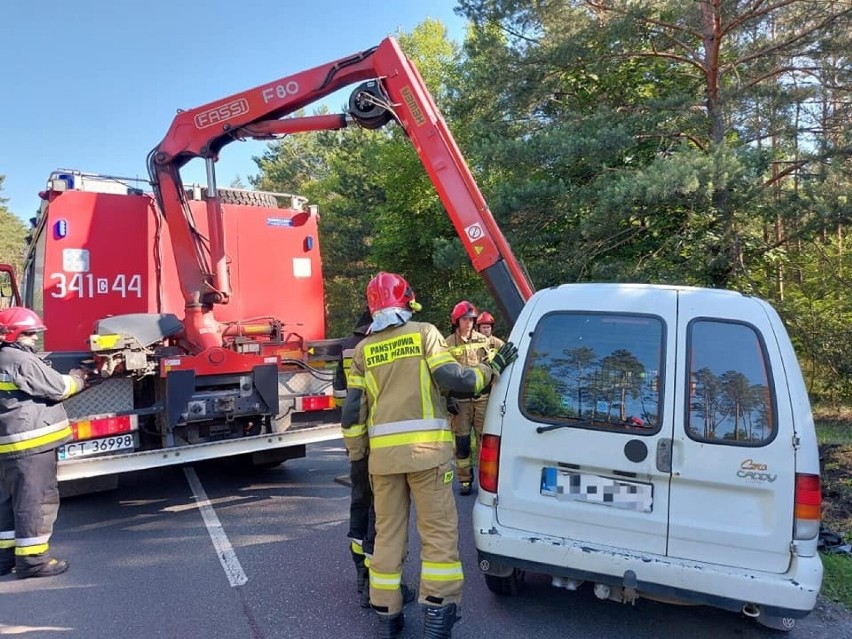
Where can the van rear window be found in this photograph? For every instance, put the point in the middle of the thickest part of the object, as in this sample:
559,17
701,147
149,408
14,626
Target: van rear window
730,395
596,370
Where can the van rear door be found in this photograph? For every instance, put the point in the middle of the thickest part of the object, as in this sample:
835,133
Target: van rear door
733,460
587,432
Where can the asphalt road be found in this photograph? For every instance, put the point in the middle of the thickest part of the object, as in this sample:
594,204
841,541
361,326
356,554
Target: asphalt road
144,564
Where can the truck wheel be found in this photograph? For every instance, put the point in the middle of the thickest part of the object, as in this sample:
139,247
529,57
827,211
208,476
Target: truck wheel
505,586
246,198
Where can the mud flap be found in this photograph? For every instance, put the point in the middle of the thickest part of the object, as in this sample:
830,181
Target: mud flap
180,386
265,380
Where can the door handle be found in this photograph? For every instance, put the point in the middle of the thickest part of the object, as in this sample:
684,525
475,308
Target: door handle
664,455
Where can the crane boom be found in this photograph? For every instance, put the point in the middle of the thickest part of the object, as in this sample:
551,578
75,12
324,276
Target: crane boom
391,89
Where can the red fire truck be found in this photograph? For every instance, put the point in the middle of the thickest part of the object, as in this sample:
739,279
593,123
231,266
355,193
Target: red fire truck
207,303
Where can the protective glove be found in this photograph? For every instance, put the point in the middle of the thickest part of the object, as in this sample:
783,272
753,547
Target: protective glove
507,354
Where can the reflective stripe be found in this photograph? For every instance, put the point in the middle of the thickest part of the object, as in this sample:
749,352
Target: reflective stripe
31,550
356,547
404,439
464,350
7,543
373,392
355,381
427,408
355,430
367,560
6,382
385,581
32,541
7,534
464,462
370,385
480,380
443,571
407,426
33,438
38,432
70,386
441,359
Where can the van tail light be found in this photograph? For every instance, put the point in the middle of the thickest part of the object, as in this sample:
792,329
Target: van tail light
489,463
808,506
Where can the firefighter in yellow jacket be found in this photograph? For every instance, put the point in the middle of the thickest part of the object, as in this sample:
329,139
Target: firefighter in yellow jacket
395,408
470,348
485,325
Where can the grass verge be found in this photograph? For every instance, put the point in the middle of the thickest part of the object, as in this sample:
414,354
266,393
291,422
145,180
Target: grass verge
837,580
834,432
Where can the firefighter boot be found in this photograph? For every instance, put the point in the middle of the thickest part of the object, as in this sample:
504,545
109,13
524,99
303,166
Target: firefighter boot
39,566
362,581
390,625
438,621
7,561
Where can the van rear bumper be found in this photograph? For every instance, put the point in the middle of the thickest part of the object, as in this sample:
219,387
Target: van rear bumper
791,594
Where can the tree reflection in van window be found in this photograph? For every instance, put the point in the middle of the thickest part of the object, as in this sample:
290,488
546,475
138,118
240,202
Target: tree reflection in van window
729,399
601,370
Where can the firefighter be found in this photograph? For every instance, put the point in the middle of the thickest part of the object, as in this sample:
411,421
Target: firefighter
470,348
33,423
362,516
485,325
395,408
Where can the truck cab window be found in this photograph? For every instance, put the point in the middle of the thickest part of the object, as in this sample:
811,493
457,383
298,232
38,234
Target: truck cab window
730,397
595,370
7,290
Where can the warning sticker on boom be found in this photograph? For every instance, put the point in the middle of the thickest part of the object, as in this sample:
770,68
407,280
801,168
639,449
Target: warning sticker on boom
474,232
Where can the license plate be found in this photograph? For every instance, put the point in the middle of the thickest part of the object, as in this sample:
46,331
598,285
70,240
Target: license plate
567,485
113,444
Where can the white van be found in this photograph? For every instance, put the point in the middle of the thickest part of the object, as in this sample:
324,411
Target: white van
656,441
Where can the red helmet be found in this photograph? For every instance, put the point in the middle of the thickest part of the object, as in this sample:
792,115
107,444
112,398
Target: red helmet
463,309
389,290
17,320
485,318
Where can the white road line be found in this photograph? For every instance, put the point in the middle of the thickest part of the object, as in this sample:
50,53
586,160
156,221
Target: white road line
227,556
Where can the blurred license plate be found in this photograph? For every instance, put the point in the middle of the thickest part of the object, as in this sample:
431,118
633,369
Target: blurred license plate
112,444
568,485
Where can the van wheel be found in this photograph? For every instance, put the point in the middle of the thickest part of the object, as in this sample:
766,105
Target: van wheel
505,586
784,624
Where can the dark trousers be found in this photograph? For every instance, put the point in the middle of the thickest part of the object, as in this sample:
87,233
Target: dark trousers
29,503
362,517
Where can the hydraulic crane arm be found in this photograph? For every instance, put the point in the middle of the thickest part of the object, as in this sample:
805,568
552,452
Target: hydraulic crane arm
395,90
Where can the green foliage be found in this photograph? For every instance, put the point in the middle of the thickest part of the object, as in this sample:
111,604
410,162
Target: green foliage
837,583
12,235
686,143
541,394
